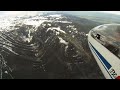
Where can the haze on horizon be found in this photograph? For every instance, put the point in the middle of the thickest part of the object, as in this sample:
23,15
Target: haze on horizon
15,13
112,12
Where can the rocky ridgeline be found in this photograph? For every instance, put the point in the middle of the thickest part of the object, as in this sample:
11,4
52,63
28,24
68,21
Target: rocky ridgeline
48,46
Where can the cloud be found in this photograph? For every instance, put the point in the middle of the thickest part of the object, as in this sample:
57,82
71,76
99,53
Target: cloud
20,13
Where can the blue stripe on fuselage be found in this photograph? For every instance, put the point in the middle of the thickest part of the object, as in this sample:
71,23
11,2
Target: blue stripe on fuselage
102,58
99,58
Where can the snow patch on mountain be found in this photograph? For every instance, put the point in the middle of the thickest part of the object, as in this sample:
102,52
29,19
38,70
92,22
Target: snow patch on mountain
63,41
56,29
55,15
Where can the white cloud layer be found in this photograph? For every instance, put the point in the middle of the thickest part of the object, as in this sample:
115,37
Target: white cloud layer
20,13
112,12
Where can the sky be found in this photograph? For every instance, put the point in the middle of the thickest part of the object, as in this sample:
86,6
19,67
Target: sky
113,12
15,13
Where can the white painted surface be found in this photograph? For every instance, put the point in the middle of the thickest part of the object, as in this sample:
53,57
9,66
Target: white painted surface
110,57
